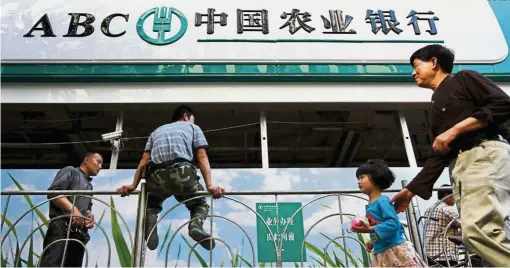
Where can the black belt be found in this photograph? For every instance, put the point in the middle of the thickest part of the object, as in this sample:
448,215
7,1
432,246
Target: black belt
170,163
476,142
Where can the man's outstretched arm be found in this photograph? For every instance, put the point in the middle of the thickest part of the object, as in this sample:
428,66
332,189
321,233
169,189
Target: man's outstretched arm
124,190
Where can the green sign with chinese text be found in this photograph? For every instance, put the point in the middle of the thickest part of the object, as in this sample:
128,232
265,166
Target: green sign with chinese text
292,237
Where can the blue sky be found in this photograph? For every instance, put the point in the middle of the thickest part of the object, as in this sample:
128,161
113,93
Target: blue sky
231,179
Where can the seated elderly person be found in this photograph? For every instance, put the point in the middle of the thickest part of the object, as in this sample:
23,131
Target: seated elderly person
438,219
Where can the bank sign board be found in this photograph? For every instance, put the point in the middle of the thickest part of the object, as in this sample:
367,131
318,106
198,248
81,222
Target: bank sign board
242,31
292,239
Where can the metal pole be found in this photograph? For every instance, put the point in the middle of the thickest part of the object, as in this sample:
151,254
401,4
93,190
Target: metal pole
279,262
64,192
413,227
116,143
307,192
69,225
343,231
136,259
407,140
212,234
263,140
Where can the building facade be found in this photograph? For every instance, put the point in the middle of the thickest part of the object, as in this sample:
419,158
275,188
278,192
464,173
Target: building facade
275,86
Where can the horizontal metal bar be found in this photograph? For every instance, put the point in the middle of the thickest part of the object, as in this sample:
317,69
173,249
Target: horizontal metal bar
311,192
67,192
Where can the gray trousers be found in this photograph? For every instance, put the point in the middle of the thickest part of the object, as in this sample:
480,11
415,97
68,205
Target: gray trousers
481,187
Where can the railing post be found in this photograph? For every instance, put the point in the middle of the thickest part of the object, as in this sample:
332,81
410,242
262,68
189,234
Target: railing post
279,261
413,226
136,258
342,228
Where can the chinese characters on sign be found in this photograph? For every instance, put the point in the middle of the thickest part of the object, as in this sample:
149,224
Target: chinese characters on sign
302,19
337,23
414,21
252,20
285,237
387,20
271,230
384,21
210,19
283,221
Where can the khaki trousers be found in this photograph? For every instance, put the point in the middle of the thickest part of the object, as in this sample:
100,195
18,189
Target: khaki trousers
481,187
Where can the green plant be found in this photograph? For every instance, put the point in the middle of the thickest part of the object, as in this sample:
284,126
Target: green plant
165,238
347,252
364,253
178,255
31,253
29,201
118,238
200,259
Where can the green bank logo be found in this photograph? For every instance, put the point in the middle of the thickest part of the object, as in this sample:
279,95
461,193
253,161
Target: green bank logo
161,24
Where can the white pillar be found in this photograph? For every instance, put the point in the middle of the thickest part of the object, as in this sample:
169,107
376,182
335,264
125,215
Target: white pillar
263,140
116,143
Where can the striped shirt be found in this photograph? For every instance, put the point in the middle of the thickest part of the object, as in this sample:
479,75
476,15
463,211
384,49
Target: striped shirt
178,140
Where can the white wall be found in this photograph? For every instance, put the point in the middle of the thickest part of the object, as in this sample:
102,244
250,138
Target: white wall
217,93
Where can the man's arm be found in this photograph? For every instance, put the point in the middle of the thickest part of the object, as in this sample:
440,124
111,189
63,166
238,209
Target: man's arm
124,190
203,165
205,169
63,181
494,108
494,102
146,157
424,181
200,145
422,184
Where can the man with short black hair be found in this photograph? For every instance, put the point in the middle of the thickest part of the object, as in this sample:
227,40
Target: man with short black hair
439,217
466,117
167,166
70,178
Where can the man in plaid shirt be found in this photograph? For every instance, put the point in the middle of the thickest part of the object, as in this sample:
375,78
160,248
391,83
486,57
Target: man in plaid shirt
437,221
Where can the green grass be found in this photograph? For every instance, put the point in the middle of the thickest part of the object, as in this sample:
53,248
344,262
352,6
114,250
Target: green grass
120,243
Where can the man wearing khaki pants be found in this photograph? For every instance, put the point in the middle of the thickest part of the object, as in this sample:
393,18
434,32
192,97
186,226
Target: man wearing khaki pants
467,115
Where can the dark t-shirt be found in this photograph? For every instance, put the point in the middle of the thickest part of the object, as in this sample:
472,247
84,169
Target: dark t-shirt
71,178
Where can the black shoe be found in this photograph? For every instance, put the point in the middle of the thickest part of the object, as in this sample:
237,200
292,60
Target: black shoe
150,221
199,234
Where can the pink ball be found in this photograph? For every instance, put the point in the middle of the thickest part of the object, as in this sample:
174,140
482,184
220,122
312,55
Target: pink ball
356,223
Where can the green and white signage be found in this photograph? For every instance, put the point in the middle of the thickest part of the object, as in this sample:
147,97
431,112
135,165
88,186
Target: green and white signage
292,238
244,31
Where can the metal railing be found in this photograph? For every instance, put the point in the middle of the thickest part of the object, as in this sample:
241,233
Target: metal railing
138,247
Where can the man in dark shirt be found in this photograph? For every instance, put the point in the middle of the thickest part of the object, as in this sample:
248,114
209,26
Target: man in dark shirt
70,178
466,117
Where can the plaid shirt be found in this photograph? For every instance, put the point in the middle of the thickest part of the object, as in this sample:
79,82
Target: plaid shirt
437,221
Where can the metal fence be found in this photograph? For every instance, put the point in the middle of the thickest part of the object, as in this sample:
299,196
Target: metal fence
138,245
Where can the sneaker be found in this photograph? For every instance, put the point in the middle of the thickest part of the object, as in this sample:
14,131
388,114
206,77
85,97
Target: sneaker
199,234
150,221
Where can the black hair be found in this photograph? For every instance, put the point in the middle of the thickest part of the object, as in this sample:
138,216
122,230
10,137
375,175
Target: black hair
378,171
88,155
444,56
181,111
443,193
